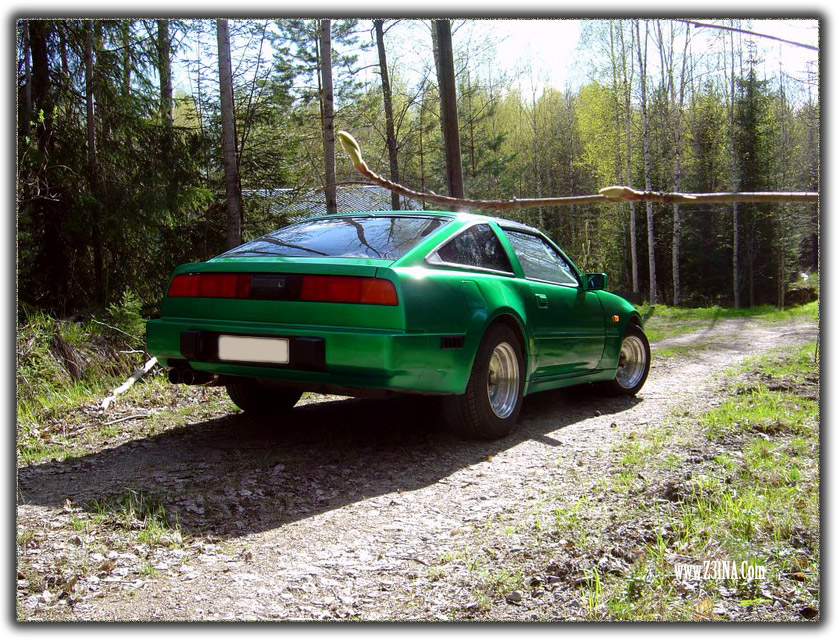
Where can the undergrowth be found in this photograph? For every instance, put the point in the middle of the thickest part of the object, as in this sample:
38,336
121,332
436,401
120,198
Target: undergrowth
751,503
64,364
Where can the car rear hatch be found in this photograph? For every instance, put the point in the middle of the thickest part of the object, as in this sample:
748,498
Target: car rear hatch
328,272
292,292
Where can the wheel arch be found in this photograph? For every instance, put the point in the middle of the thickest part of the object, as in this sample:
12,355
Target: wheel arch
507,317
635,319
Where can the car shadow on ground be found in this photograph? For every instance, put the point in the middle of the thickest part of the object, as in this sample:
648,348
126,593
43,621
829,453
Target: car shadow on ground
237,475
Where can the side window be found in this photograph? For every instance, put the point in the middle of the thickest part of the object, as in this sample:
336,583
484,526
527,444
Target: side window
539,260
477,246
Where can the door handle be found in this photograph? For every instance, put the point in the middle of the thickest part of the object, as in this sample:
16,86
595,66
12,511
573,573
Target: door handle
542,300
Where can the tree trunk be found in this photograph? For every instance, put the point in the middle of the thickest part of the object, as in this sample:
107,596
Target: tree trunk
232,179
47,210
421,161
736,254
125,32
628,143
391,144
449,116
651,255
164,67
678,102
736,276
327,114
535,150
41,97
92,164
27,87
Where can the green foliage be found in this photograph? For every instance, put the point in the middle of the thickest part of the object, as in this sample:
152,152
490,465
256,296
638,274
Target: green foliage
158,198
64,364
128,318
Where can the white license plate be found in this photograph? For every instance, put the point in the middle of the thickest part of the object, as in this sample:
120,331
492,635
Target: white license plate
246,349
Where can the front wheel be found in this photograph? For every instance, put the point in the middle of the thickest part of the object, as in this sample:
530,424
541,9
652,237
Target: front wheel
252,397
491,403
633,364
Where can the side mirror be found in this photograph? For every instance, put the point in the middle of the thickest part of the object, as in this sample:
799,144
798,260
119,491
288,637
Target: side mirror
595,281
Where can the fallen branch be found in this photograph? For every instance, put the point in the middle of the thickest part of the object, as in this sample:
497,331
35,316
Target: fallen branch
129,382
605,195
126,418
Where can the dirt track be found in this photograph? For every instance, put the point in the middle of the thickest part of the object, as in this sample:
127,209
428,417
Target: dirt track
345,510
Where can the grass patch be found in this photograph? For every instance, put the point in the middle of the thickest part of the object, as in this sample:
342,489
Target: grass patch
733,490
66,368
141,513
679,351
752,505
62,365
759,409
663,322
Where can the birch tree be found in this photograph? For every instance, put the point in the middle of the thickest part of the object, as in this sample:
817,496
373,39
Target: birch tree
676,99
626,82
92,160
729,55
641,51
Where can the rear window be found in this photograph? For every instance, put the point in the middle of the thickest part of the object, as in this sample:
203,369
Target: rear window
477,247
377,238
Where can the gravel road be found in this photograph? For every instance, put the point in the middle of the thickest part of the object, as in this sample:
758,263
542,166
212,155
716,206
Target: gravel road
345,509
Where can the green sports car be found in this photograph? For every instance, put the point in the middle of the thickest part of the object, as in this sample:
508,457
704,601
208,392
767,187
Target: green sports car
477,310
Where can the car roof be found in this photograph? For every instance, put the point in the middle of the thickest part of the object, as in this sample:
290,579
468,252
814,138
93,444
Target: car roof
463,216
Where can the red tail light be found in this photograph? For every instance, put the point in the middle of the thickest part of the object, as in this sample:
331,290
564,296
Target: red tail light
345,289
210,285
348,289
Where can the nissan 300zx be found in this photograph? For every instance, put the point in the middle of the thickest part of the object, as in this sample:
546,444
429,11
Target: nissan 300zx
477,310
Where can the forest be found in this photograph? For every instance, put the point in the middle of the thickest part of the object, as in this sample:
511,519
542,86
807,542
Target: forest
120,176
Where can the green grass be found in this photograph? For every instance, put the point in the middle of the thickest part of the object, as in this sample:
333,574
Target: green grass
757,503
141,513
750,499
663,322
61,366
64,371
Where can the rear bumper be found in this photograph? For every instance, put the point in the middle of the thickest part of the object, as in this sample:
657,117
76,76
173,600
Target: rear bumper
321,357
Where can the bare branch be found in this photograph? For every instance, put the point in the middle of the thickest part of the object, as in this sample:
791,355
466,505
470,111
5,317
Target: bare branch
751,33
608,194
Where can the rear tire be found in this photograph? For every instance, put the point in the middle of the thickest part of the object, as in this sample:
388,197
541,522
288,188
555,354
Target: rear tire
252,397
491,403
633,364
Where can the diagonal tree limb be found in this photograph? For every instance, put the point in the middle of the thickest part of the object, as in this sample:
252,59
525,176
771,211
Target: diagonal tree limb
605,195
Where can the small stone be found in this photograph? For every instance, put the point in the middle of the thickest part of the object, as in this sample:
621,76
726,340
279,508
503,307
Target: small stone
515,597
809,612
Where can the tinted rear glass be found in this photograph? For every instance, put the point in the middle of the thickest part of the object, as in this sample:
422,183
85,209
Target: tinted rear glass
377,238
